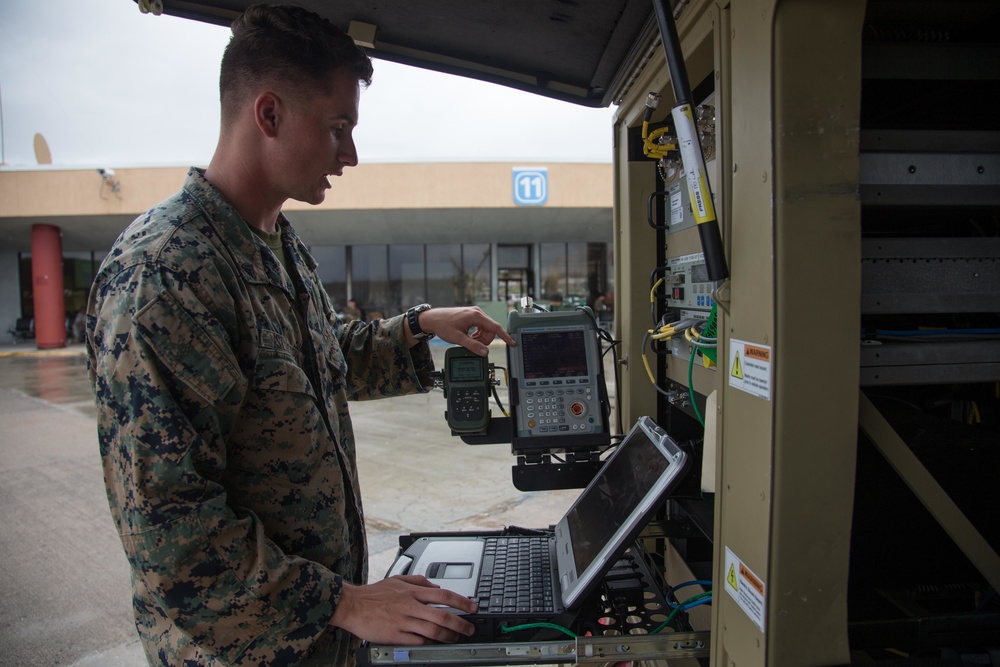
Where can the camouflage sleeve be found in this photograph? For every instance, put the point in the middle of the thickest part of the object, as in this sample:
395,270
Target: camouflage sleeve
169,388
378,361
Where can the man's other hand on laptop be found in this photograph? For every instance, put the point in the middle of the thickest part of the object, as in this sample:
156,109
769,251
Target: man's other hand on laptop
399,610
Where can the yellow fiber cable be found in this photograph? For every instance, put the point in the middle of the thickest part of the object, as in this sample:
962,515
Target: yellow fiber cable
652,292
649,371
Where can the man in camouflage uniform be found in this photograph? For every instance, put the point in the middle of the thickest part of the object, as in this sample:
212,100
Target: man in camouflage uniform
222,377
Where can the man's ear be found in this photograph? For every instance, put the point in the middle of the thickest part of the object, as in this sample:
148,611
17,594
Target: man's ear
267,113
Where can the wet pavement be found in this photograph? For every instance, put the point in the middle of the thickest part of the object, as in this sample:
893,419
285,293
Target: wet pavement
55,376
66,598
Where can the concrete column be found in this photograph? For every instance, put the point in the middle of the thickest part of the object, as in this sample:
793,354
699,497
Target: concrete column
47,286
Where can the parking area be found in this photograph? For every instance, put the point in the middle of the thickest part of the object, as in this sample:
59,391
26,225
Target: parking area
66,593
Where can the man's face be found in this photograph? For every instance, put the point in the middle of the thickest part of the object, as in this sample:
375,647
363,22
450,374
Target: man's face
316,139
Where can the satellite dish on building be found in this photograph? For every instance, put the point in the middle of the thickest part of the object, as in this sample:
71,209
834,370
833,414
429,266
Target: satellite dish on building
42,153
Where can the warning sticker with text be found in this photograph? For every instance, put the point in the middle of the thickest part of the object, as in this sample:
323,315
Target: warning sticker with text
746,588
750,368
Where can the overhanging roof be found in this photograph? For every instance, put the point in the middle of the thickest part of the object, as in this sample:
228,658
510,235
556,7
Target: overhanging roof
477,205
358,227
571,50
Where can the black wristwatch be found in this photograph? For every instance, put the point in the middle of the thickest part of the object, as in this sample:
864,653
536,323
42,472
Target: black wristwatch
413,319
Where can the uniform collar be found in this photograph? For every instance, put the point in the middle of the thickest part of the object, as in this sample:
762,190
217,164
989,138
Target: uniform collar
247,250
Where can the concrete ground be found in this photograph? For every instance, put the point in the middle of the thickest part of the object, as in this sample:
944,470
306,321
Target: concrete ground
64,579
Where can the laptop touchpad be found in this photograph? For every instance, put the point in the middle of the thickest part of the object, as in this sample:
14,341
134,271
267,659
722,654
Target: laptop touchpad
452,564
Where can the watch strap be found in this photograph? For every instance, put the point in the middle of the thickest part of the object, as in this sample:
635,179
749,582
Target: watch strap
413,320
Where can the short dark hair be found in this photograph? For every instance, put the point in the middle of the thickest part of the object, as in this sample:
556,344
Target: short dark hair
284,43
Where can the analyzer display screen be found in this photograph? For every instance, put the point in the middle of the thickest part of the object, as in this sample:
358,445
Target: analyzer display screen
554,354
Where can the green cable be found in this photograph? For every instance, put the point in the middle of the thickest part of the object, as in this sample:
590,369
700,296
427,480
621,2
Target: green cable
694,403
529,626
552,626
679,608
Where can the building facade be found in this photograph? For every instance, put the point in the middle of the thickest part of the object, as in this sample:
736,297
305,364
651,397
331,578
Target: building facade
388,236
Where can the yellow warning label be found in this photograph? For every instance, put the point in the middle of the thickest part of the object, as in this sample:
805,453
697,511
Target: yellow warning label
737,368
750,368
747,589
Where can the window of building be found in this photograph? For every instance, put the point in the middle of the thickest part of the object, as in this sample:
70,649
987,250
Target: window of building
445,284
552,262
600,263
370,278
388,279
573,274
332,270
514,256
477,272
515,276
406,277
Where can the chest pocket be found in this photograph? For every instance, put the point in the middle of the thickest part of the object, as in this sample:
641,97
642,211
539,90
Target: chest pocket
281,427
279,372
279,366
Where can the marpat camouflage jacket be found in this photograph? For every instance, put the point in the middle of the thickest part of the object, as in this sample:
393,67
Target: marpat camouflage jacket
229,457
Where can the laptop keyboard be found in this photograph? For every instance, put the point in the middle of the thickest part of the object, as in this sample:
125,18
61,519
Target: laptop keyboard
516,576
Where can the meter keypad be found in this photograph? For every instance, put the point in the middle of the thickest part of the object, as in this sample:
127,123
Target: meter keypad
468,403
558,410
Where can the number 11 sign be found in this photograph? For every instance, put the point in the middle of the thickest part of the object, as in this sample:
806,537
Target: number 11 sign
531,186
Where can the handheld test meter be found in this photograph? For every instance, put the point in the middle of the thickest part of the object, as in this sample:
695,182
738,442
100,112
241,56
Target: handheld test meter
466,387
557,391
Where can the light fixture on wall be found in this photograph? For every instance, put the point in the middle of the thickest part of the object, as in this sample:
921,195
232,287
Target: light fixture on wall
108,179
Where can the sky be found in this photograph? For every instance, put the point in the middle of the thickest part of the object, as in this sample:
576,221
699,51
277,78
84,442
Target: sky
107,86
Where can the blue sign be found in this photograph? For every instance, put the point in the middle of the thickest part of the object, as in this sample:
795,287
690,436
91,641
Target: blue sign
531,186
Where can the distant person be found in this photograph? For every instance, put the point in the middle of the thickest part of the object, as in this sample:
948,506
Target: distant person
79,326
596,302
352,311
604,309
222,376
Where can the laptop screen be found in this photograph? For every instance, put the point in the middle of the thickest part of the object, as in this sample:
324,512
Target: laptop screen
628,477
